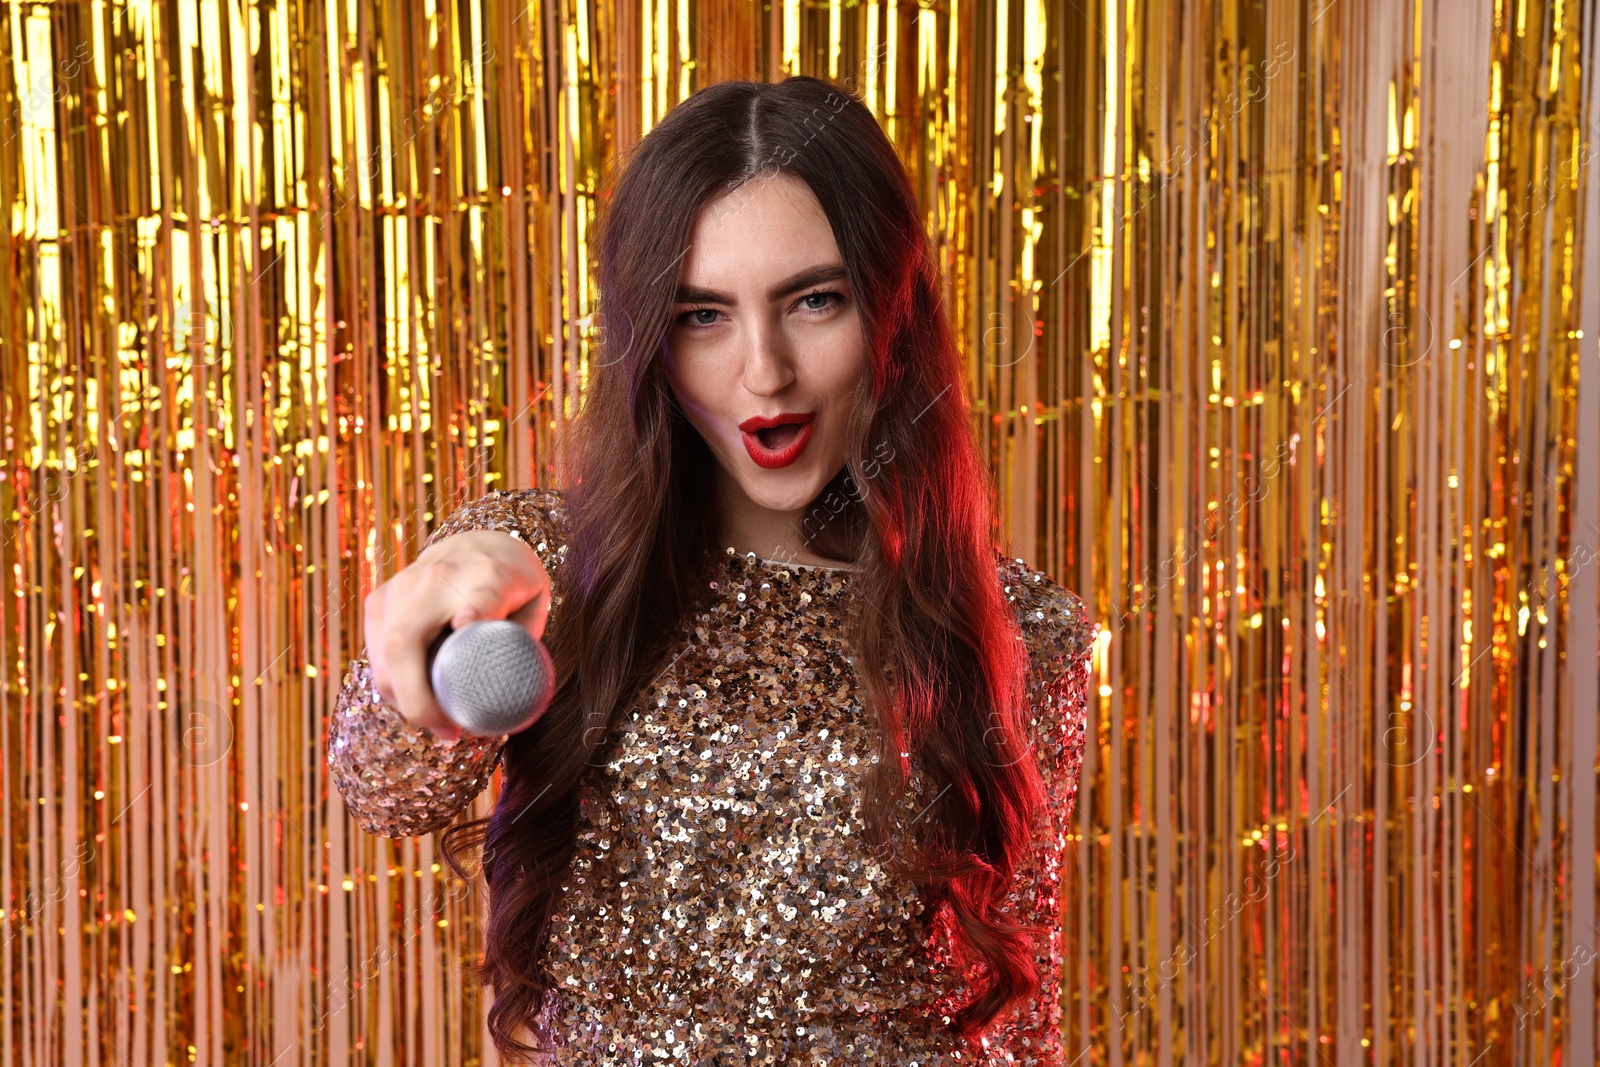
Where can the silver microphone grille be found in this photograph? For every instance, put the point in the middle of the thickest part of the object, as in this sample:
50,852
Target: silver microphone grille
492,677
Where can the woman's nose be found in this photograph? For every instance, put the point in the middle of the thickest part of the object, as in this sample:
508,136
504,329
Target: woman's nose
767,365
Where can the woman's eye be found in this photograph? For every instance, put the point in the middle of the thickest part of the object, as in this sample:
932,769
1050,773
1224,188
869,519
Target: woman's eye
818,301
700,317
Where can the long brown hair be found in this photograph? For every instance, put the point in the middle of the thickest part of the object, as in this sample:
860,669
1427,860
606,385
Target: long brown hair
938,663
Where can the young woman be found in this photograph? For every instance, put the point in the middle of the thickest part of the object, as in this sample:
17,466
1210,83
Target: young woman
802,792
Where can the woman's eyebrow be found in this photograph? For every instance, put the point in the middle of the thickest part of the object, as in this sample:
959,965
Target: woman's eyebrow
825,272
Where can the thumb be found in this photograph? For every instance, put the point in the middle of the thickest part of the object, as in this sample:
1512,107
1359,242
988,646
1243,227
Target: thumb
465,617
531,616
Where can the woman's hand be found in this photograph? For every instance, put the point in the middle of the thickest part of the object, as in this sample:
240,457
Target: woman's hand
472,575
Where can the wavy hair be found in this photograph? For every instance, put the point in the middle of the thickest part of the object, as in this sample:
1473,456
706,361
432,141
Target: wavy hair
940,667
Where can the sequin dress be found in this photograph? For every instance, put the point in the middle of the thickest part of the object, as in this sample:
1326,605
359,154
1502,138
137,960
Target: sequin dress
722,907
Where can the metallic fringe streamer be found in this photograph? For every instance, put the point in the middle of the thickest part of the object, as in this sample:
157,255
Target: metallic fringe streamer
1276,316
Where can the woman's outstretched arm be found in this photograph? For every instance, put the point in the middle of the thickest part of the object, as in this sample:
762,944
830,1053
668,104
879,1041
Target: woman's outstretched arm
399,779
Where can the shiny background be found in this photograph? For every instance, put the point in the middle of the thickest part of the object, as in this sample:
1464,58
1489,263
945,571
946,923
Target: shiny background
1282,327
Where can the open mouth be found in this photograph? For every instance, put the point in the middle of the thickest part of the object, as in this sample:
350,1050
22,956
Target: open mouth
777,437
773,447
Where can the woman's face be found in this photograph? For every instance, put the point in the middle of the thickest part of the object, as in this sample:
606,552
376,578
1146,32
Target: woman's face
765,326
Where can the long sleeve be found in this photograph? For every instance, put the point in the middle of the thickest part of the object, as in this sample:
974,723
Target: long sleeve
1059,636
399,780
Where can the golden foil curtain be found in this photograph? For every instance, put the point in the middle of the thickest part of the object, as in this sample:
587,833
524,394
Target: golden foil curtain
1282,322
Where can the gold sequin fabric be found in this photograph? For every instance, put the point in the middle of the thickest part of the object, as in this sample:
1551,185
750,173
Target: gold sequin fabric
722,906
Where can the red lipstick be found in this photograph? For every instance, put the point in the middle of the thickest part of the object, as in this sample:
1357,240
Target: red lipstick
778,446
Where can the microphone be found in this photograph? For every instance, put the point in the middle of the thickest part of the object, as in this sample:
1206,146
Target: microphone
491,677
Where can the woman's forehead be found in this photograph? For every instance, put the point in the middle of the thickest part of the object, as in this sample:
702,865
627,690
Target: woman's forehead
756,233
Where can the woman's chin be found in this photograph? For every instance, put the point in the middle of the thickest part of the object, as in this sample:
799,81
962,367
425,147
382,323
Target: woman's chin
788,489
